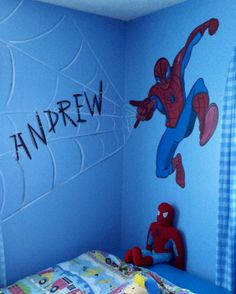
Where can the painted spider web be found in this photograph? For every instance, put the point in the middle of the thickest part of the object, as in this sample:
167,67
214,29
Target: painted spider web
46,80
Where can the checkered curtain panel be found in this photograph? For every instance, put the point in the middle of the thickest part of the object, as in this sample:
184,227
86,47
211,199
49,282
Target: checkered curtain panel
226,248
3,280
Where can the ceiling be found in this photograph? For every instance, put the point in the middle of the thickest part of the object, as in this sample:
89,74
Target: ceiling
119,9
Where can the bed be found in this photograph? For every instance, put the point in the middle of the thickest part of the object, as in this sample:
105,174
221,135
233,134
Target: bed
186,280
101,272
183,279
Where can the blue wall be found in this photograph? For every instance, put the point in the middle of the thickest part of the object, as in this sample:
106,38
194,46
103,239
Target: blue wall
81,191
65,200
149,38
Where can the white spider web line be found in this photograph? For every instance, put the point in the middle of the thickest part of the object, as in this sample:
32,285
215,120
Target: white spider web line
82,170
59,185
55,93
57,72
56,87
65,67
85,135
20,166
10,46
57,24
98,61
10,43
86,87
12,13
54,169
12,87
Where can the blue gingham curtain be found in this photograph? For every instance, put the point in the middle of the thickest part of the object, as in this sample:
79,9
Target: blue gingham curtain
3,280
226,248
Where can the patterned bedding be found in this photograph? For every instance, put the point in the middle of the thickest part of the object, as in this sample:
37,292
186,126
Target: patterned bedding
92,272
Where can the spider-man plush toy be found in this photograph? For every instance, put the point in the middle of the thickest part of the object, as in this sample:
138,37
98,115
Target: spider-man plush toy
164,242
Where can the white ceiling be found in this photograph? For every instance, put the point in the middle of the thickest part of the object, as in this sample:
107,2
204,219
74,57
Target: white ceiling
120,9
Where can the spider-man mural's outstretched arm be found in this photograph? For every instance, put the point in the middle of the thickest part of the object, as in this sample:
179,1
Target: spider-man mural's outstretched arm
183,57
146,107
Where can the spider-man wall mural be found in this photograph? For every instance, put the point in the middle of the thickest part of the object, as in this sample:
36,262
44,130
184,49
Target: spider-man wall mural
168,96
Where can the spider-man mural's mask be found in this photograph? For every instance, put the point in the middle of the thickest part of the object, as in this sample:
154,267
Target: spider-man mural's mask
165,215
162,72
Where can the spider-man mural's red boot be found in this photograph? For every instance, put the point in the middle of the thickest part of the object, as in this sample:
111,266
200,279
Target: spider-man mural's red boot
207,115
180,174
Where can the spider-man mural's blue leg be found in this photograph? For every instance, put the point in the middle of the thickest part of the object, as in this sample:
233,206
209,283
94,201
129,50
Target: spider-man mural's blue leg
165,161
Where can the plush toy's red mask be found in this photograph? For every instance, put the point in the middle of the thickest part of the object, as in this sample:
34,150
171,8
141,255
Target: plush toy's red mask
165,214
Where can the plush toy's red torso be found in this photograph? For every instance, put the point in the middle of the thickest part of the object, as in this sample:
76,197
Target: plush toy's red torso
161,237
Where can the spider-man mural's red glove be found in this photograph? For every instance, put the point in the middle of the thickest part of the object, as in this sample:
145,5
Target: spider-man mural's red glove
213,26
145,109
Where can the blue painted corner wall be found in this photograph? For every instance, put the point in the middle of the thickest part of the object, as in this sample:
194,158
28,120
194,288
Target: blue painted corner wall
93,184
66,199
163,34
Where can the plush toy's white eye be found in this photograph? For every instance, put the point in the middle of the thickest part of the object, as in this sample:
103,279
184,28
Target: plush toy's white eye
158,212
165,214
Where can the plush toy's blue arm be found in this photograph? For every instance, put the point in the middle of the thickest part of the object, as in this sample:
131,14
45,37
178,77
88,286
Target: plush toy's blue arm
152,287
150,239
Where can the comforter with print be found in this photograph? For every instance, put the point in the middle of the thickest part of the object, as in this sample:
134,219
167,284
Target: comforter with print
92,272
